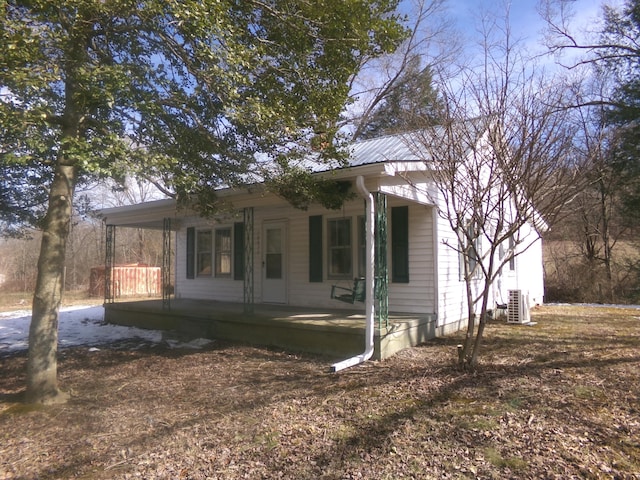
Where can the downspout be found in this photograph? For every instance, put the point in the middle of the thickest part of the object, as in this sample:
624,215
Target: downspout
369,287
436,269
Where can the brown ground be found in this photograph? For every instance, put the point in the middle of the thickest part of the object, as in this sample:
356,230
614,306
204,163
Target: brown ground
560,399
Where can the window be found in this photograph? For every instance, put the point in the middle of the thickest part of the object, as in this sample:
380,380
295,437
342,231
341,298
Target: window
223,252
203,246
339,248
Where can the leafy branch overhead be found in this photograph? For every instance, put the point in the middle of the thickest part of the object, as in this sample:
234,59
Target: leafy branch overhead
191,95
300,188
183,93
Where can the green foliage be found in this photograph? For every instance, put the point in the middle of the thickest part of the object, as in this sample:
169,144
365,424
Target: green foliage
411,104
620,54
187,93
300,188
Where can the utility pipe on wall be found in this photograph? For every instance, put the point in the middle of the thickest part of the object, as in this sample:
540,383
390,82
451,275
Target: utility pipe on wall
369,286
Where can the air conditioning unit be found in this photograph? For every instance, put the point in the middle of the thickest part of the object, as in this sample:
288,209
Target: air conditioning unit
518,307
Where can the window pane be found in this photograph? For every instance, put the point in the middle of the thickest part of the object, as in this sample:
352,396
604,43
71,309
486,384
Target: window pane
273,256
340,261
223,251
340,249
204,264
274,265
274,244
204,241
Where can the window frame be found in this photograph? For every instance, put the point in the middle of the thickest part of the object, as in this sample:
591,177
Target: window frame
347,247
219,254
201,252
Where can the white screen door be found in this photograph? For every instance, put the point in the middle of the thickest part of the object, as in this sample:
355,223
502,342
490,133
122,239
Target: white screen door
274,271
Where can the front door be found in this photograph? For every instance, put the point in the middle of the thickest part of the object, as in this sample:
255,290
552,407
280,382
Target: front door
274,263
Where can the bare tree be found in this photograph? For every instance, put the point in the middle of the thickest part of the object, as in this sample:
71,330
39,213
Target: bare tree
609,50
503,176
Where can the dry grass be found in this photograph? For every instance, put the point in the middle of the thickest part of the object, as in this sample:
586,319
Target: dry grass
22,300
560,399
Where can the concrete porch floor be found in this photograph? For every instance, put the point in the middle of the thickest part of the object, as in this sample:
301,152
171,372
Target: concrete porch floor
335,333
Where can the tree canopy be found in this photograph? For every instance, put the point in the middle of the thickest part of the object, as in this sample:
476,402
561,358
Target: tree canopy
191,95
613,52
620,52
185,93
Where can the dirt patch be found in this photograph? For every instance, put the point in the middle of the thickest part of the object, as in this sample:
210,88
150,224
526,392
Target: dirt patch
560,399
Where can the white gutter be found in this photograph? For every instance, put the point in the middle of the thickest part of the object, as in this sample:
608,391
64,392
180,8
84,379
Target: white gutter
436,268
369,290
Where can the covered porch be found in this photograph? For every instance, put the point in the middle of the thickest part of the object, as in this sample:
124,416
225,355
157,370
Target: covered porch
241,310
335,333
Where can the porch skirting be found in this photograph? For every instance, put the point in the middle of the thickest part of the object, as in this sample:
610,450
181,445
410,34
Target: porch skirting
326,332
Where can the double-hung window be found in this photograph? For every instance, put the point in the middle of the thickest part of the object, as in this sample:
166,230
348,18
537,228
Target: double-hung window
340,257
223,252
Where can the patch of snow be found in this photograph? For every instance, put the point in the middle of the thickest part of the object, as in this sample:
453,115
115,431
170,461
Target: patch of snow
77,326
196,343
595,305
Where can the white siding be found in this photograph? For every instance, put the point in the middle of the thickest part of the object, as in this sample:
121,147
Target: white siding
452,304
417,296
527,276
203,287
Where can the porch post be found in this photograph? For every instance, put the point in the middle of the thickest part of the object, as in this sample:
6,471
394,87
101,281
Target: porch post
110,253
166,263
248,260
381,270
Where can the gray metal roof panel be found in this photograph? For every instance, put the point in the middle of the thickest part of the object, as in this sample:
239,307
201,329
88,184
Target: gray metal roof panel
405,147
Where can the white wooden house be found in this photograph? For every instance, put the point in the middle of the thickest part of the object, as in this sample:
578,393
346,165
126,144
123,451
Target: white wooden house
261,253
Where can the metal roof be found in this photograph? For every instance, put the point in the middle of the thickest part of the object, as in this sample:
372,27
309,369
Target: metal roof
403,147
406,147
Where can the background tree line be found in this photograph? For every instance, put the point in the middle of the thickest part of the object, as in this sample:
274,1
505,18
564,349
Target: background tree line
593,253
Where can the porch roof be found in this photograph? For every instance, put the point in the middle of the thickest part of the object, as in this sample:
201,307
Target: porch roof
386,156
148,215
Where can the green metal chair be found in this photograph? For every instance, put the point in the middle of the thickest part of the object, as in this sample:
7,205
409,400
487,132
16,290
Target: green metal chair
350,295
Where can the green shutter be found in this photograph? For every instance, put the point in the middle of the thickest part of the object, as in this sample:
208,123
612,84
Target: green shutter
315,248
400,244
191,252
238,251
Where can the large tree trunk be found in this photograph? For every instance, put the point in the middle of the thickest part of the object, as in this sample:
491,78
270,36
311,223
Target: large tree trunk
42,365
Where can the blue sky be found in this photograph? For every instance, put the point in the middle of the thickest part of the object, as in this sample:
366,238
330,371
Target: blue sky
525,20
